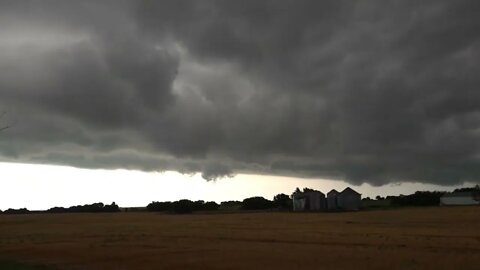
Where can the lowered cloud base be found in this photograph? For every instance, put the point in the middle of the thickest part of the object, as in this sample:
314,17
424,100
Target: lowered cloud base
367,92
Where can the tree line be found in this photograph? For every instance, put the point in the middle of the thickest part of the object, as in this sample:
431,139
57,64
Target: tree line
280,202
419,198
87,208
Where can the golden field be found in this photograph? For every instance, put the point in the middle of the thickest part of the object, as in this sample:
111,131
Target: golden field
414,238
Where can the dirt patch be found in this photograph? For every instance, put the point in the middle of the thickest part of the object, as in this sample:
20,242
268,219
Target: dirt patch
416,238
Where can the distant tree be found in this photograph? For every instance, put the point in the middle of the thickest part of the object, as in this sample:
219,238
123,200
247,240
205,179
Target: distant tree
87,208
296,191
469,189
230,205
11,211
111,208
282,201
183,207
211,206
256,203
309,190
57,210
419,198
198,205
159,206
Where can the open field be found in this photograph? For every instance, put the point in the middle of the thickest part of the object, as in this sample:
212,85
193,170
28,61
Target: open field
417,238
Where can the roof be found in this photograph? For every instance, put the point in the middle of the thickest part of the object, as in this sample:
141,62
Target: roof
302,195
349,190
333,191
313,191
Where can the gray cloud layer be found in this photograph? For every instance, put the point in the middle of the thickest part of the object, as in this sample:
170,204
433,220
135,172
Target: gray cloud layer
369,91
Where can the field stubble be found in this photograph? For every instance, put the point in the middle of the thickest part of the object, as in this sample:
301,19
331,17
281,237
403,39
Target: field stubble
416,238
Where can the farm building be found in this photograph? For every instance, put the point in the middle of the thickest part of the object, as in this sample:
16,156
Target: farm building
349,199
461,198
332,202
310,200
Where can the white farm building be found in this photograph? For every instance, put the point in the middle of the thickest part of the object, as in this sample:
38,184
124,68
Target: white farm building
349,199
308,201
460,198
312,200
332,199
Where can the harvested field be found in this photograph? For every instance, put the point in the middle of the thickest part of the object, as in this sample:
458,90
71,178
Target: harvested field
417,238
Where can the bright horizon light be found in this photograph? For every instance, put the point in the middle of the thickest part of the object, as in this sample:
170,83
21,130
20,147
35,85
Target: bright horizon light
40,187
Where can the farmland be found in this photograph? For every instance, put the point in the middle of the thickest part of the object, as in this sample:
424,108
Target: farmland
409,238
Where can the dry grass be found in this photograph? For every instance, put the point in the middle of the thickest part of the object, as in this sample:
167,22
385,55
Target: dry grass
423,238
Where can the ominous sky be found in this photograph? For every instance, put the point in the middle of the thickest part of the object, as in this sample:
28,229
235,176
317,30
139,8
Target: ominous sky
362,91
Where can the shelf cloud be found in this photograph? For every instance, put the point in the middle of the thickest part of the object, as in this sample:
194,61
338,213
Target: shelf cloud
367,92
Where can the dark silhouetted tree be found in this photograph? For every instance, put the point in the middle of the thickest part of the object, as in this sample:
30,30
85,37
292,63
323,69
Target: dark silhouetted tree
159,206
419,198
57,210
198,205
211,206
282,201
183,207
475,189
111,208
231,205
256,203
11,211
87,208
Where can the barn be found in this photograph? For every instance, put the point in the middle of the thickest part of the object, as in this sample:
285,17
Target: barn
332,199
349,199
308,201
460,198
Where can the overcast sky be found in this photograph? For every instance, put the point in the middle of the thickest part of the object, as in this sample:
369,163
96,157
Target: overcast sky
366,92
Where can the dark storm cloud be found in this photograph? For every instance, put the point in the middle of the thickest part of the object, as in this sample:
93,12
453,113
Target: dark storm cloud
372,91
